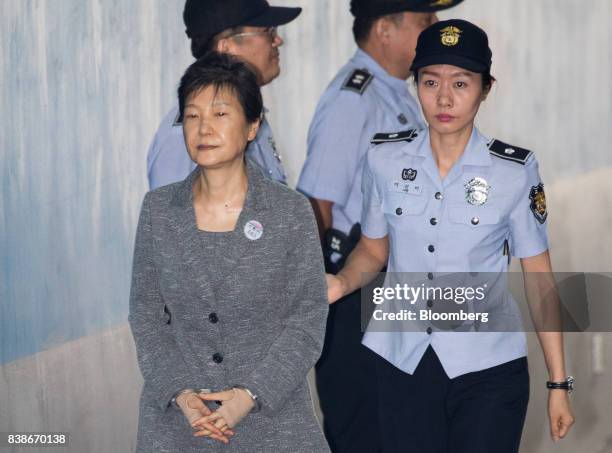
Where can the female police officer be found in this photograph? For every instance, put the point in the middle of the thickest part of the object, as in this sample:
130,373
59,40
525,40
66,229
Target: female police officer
448,200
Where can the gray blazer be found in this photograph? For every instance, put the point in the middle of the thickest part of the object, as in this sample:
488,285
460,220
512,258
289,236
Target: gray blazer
268,324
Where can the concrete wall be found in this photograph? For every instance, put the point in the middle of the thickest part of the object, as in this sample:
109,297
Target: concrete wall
83,85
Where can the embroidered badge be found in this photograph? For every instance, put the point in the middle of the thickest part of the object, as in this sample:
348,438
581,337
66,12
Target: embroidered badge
409,174
450,36
538,203
477,191
253,230
406,188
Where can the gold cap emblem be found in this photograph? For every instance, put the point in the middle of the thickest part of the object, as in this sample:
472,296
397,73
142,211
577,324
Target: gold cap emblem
441,3
450,36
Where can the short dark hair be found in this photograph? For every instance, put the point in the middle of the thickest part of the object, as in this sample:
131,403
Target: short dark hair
201,45
223,71
362,26
487,79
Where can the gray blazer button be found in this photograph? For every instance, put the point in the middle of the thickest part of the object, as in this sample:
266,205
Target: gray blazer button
213,318
475,220
217,358
399,211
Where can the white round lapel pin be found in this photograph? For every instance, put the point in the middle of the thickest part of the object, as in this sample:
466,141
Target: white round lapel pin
253,230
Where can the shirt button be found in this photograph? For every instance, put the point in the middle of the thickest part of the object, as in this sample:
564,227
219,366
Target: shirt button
475,220
429,330
433,221
431,248
217,358
438,195
213,318
430,303
430,275
399,211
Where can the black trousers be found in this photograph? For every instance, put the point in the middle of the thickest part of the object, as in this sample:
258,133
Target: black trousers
346,382
479,412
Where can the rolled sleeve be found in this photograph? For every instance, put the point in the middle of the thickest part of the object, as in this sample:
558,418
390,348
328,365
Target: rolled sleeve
528,228
334,150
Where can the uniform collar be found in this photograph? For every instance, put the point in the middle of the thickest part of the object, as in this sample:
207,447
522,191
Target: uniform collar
363,60
256,197
476,152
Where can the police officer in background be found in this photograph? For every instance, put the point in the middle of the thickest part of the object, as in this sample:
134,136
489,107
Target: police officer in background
368,95
246,29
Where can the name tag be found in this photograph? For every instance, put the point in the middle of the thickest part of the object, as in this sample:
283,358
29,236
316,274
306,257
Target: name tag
406,187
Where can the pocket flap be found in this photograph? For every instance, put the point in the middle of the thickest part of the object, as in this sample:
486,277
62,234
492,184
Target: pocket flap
474,215
409,204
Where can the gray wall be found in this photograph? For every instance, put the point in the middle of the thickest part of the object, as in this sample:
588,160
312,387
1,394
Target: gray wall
83,86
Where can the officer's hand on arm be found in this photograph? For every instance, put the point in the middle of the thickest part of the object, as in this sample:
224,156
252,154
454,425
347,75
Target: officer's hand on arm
542,296
370,257
194,409
236,404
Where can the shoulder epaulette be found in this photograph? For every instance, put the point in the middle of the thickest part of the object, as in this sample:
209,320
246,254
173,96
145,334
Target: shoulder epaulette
404,136
508,152
358,81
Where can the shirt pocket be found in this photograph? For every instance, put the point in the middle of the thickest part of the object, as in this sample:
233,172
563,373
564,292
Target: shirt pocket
401,210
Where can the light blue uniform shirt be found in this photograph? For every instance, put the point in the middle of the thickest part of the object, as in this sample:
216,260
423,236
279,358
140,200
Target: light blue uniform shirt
343,125
462,237
168,160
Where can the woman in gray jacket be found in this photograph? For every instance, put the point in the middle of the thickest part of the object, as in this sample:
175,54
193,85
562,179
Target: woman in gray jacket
228,290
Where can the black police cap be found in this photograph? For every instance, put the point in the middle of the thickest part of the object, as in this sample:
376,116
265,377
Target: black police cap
455,42
377,8
206,18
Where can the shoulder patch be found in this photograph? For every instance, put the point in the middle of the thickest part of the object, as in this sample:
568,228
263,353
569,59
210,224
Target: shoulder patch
507,152
404,136
358,81
178,121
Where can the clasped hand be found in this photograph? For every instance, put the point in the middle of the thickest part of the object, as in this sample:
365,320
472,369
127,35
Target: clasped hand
217,424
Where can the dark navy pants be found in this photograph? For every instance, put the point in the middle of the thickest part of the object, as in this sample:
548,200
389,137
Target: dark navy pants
479,412
346,382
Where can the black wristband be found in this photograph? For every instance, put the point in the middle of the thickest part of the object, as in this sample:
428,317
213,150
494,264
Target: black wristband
567,385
